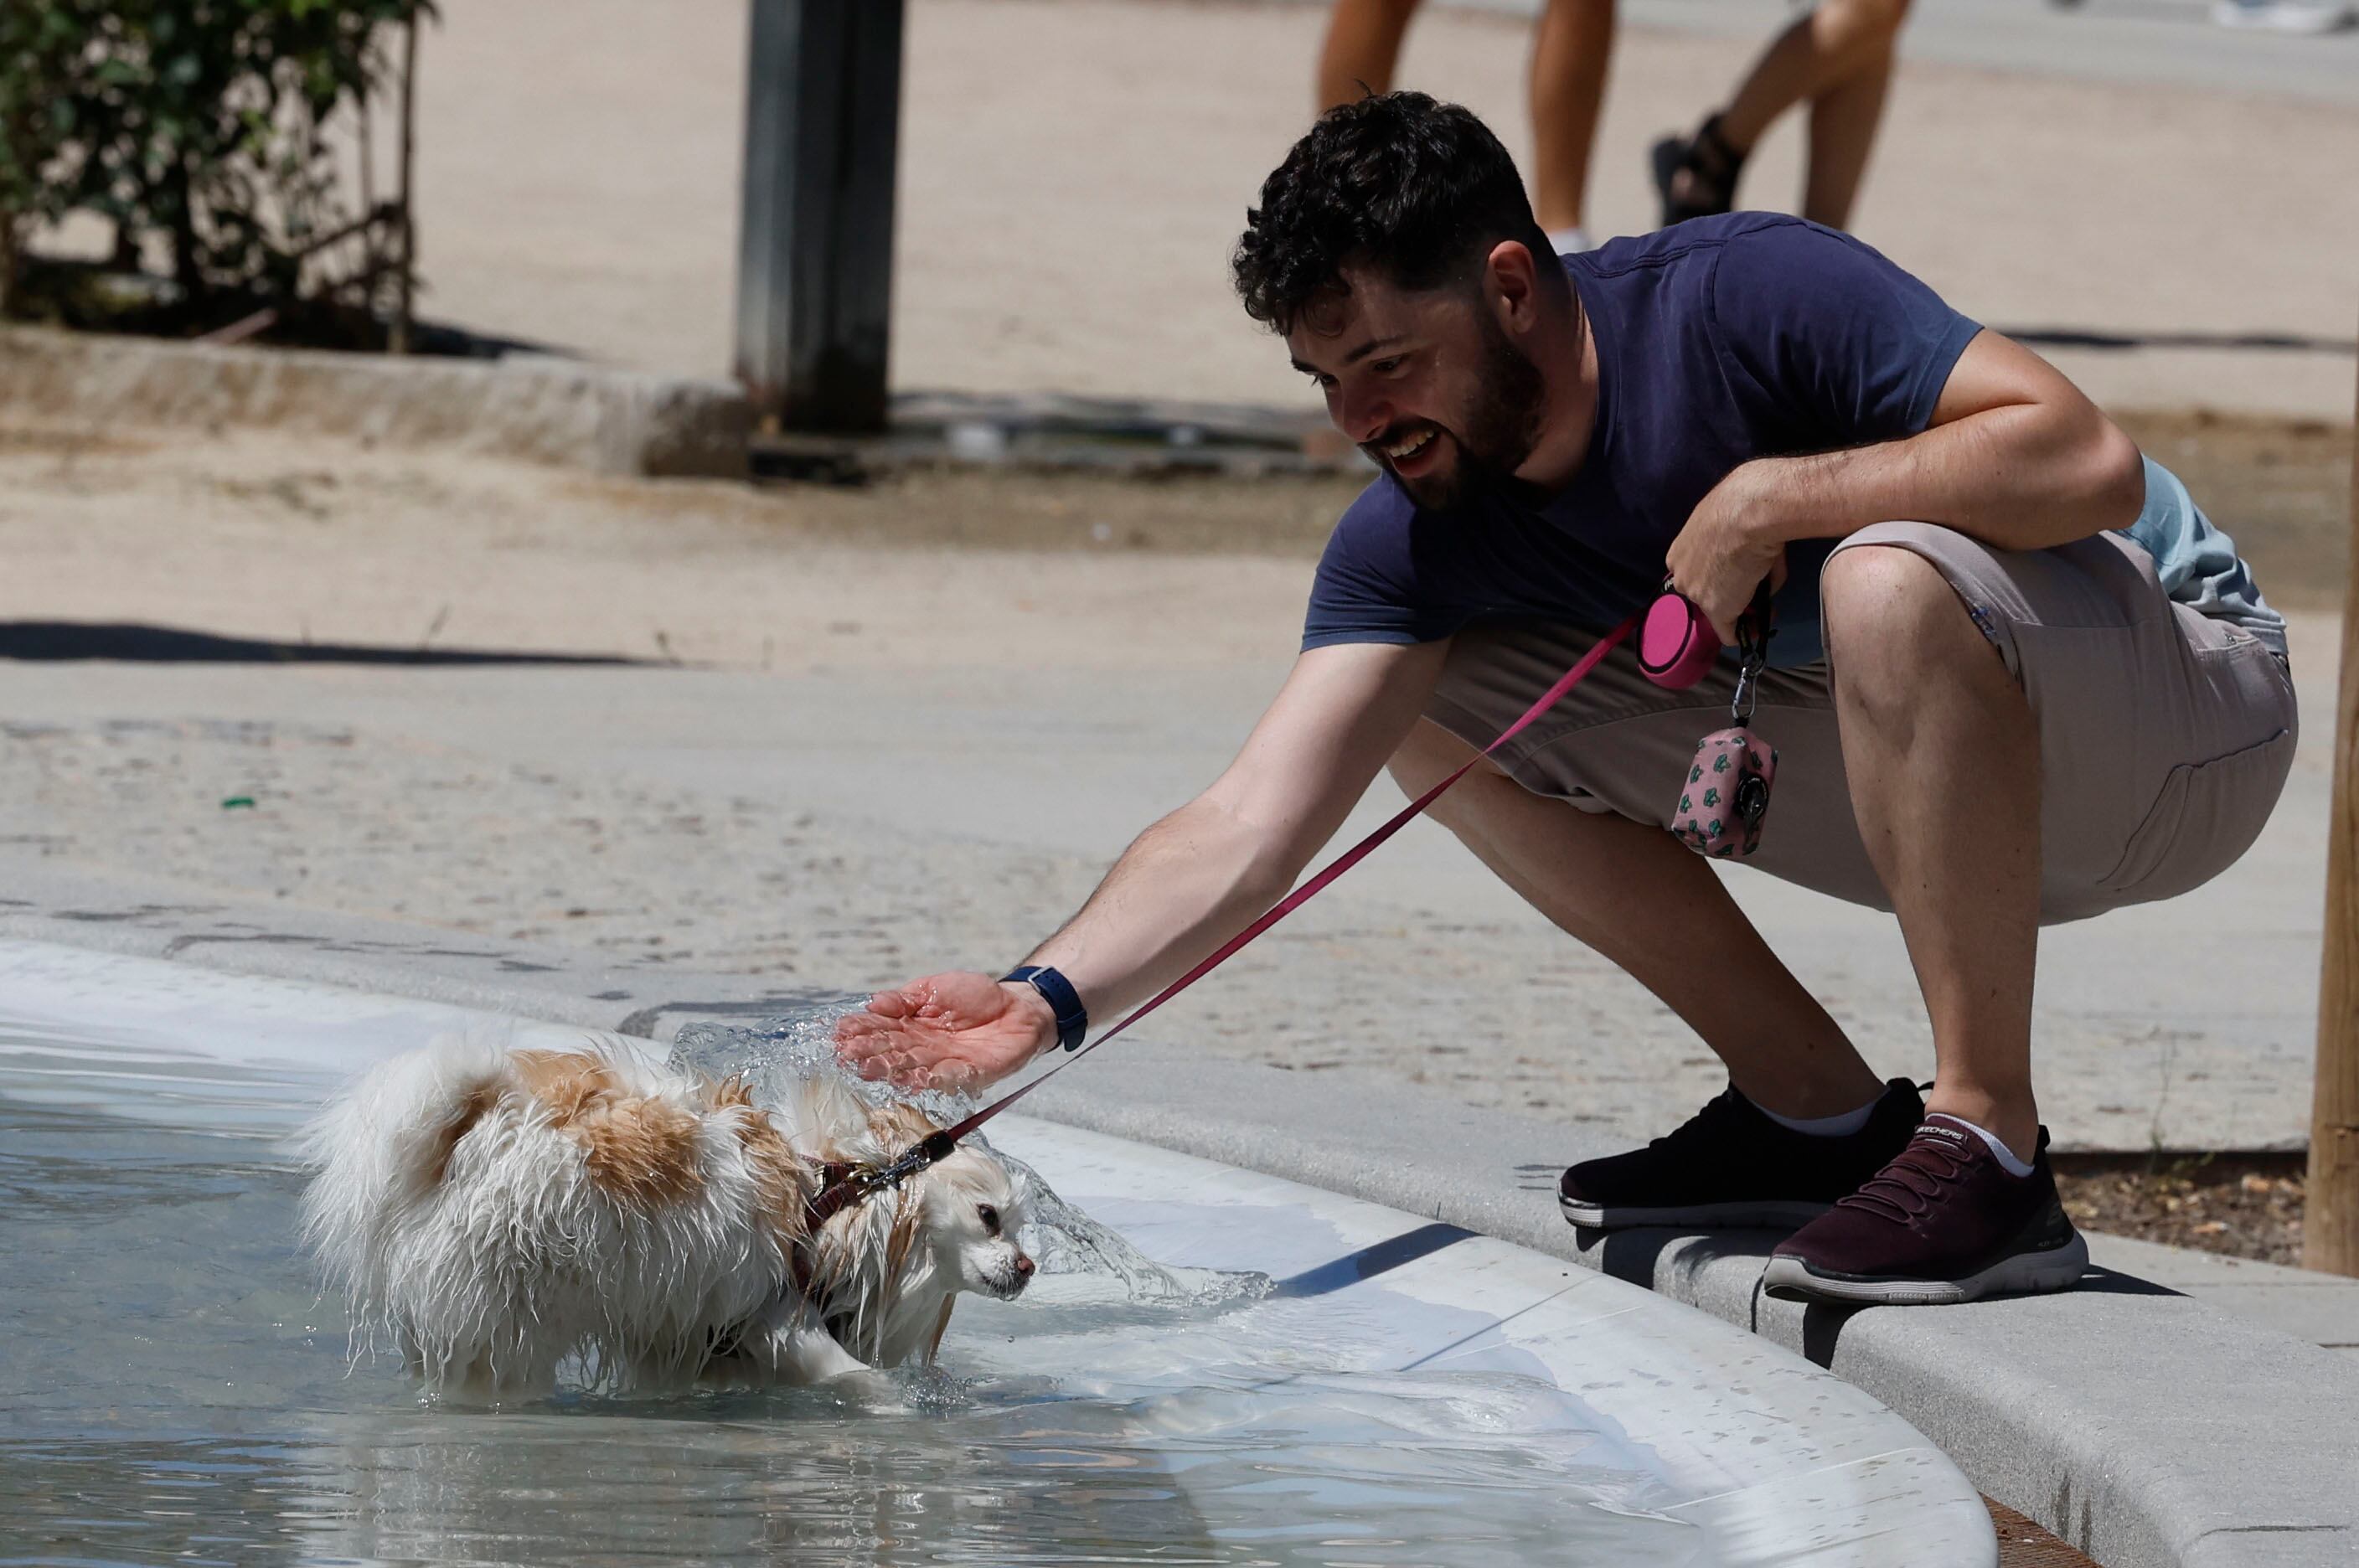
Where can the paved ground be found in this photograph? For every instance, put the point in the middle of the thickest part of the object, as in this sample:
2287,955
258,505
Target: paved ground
1074,172
2320,1308
896,761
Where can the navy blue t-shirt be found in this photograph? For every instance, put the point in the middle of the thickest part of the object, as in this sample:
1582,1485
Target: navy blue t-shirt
1719,341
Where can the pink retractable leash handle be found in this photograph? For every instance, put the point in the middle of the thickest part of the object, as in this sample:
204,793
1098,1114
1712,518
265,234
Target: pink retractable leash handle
1676,643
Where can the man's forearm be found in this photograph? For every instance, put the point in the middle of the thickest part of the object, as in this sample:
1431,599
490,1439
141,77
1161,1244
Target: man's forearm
1195,878
2021,477
1184,886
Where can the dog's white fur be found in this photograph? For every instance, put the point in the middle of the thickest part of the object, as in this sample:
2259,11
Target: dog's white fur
502,1211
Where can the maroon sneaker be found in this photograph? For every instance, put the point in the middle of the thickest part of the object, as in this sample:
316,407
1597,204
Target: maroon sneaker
1731,1165
1943,1223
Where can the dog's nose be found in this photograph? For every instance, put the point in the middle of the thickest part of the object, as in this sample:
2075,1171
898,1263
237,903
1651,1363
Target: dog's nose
1023,1267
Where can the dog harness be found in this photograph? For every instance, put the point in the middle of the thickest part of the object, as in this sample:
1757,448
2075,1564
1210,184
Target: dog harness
843,1184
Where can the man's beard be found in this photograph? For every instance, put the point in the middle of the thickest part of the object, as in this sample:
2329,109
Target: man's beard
1499,431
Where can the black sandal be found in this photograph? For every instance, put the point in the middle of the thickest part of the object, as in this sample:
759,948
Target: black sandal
1711,166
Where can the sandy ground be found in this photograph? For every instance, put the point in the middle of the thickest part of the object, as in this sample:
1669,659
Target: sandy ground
879,759
1074,172
261,536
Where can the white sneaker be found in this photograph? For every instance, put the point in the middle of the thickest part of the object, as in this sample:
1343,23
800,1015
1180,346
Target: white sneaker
1570,240
2308,17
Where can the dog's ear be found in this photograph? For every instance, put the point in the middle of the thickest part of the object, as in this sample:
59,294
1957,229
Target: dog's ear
824,1118
898,1125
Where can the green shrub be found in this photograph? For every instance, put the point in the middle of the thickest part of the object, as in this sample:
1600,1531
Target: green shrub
197,126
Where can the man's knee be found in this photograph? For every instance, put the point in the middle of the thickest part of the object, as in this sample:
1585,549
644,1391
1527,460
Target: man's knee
1892,619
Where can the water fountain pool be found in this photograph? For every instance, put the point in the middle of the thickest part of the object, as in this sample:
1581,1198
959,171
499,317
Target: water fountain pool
1403,1392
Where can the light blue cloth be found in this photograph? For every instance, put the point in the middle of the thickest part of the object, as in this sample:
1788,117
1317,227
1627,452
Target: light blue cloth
2198,563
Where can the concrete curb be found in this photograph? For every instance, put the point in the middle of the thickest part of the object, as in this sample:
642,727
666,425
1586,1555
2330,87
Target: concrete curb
2146,1429
2322,1308
533,407
2149,1430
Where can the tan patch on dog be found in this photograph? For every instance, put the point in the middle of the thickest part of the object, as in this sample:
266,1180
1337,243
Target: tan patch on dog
480,1099
783,1182
565,1082
639,1150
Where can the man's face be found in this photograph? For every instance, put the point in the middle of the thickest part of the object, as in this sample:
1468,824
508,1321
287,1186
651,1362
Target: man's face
1427,384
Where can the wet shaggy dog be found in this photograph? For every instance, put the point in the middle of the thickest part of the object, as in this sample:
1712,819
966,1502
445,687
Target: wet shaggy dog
501,1212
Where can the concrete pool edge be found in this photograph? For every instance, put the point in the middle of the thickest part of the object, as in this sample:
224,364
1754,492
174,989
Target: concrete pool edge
2139,1425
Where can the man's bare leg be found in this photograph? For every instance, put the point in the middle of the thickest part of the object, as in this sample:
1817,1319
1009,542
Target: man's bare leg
1782,1050
1942,753
1571,44
1363,43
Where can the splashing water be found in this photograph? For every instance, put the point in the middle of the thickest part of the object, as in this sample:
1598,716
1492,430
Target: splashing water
776,1055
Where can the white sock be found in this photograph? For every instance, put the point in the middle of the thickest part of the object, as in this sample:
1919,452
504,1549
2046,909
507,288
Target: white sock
1570,239
1843,1125
2005,1156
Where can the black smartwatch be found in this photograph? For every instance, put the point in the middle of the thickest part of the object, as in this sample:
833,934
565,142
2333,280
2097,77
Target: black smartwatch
1072,1019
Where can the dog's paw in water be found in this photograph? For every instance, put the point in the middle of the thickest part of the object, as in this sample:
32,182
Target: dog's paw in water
505,1214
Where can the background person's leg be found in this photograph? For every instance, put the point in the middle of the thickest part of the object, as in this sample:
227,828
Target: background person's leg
1839,58
1363,42
1571,45
1942,753
1683,938
1844,118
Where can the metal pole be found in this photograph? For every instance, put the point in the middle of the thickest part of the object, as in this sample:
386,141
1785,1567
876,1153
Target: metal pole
398,341
2331,1223
815,259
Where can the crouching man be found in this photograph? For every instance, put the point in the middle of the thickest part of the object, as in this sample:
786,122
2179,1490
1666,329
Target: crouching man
2015,677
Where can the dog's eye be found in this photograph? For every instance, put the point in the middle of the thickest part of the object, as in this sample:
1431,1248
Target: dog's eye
990,1217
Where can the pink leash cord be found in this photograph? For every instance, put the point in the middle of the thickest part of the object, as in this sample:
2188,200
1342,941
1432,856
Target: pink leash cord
1296,899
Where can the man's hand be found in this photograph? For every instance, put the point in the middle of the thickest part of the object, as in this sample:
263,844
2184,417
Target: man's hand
946,1031
1727,548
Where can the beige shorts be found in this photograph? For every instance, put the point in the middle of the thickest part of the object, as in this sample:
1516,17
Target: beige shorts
2165,736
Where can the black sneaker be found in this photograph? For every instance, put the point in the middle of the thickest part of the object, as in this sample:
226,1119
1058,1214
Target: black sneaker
1943,1223
1731,1165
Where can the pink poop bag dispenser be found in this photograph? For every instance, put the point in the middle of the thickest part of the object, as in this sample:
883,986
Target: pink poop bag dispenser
1726,794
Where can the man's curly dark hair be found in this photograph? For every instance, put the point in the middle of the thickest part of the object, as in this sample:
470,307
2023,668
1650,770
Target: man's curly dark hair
1415,189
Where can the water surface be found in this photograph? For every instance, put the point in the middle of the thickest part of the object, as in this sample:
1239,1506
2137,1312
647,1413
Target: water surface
172,1388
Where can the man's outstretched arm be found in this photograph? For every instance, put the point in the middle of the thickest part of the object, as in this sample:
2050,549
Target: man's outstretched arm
1184,886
